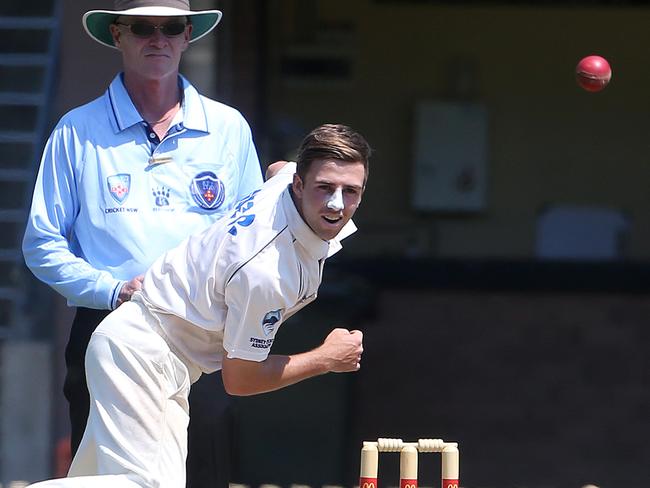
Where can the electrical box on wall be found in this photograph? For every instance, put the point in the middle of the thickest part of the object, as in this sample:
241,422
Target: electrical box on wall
450,170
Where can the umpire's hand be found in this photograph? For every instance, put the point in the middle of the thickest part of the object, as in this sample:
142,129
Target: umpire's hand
129,288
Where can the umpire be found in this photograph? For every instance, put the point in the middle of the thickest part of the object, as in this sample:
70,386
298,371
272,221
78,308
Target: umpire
128,176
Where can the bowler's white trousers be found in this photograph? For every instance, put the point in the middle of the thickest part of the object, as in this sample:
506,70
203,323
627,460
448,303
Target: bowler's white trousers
136,434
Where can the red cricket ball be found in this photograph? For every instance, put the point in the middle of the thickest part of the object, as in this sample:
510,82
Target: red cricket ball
593,73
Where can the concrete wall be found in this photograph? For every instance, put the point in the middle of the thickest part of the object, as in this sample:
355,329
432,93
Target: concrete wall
549,142
86,66
26,384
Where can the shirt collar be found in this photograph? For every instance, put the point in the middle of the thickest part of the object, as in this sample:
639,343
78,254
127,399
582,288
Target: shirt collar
124,114
316,247
194,116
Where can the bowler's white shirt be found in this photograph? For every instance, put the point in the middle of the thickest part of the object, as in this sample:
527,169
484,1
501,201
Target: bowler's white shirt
230,287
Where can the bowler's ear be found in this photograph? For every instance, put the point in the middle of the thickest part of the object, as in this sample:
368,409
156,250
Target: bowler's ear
297,185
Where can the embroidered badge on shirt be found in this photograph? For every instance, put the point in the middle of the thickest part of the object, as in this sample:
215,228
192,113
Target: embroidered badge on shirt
119,186
269,321
207,190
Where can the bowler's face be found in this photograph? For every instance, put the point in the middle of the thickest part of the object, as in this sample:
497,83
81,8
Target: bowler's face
329,195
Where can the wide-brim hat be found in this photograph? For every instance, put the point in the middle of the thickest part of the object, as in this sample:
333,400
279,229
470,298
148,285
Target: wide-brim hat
97,22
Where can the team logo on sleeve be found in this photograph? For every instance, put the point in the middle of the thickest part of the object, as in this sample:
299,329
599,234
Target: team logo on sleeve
269,321
207,190
119,186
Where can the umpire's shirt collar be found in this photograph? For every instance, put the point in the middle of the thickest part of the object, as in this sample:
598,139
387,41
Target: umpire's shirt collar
125,115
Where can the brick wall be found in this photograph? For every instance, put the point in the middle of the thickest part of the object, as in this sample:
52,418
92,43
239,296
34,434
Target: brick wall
540,390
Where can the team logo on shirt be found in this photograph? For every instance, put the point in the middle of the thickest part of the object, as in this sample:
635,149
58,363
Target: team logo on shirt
207,190
119,186
269,321
161,196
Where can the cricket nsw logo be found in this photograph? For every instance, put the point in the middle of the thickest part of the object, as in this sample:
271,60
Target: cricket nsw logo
119,186
269,321
207,190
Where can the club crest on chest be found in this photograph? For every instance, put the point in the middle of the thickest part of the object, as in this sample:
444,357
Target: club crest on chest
208,190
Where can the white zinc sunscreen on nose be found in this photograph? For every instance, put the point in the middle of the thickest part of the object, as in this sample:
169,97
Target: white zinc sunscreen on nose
335,201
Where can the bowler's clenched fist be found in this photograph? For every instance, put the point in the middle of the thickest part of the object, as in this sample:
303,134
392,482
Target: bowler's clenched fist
343,348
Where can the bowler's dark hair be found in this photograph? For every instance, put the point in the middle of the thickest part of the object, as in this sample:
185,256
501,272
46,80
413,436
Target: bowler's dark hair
333,141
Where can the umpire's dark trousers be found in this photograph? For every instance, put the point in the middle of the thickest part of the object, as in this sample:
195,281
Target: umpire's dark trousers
210,432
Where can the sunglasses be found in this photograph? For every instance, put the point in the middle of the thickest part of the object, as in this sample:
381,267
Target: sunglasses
145,29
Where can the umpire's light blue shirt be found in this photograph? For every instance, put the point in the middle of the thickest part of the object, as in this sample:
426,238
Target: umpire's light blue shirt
110,197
